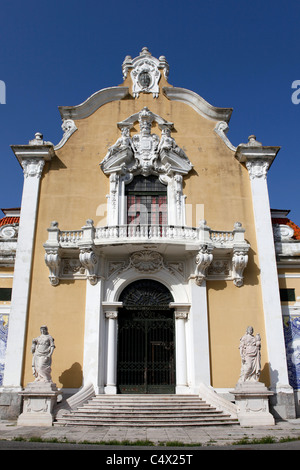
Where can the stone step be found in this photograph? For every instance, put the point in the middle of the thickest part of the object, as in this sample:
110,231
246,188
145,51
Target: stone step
153,423
145,410
144,414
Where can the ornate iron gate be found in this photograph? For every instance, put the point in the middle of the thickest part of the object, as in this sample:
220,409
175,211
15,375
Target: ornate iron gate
146,345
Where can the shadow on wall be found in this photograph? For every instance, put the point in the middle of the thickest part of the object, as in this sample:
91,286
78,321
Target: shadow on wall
265,374
251,275
72,378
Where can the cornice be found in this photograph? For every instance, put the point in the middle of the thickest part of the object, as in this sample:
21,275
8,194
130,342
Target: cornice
93,103
254,152
201,106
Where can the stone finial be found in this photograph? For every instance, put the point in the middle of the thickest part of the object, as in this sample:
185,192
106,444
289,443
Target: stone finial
252,142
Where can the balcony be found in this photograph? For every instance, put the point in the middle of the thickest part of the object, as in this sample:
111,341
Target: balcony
218,254
124,234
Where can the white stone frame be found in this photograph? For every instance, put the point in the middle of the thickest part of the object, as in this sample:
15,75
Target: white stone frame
119,177
191,327
145,62
117,204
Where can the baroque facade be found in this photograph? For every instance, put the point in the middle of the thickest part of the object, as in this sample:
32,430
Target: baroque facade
147,245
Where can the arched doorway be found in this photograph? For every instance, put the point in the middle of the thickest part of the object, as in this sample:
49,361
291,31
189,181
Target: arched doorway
146,339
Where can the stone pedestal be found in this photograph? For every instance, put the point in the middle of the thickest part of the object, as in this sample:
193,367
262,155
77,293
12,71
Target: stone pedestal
252,400
39,399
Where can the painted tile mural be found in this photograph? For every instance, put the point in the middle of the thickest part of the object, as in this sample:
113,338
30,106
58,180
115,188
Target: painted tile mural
3,342
291,327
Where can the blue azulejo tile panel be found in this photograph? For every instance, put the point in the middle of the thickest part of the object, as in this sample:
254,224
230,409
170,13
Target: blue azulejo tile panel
3,343
291,327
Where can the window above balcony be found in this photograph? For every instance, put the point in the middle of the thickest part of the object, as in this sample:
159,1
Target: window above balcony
147,201
144,165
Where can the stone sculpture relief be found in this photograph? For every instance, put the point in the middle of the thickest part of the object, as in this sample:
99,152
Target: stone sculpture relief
250,346
145,153
42,350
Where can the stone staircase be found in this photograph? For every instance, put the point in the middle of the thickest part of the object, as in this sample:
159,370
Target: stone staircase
145,410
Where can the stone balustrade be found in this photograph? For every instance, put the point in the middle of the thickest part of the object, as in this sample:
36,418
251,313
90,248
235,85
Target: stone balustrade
151,233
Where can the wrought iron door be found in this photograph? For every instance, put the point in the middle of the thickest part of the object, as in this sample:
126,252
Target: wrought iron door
146,347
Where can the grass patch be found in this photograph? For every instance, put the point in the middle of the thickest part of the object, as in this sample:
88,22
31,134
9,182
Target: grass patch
146,443
265,440
262,440
178,444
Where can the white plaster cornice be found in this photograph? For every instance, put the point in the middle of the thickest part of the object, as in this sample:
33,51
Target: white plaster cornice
255,154
197,103
32,157
93,103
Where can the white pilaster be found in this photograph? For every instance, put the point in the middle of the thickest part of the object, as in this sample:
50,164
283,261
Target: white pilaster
199,337
32,158
258,160
111,314
181,315
94,338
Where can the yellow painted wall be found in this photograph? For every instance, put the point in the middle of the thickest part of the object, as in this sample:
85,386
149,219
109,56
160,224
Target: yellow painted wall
6,271
73,189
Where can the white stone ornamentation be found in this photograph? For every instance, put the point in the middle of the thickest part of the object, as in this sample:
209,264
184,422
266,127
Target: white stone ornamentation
257,169
145,153
89,260
53,260
33,167
69,127
203,261
283,232
146,261
9,231
239,263
145,72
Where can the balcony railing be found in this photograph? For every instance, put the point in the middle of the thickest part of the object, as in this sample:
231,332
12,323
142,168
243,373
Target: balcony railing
145,232
121,234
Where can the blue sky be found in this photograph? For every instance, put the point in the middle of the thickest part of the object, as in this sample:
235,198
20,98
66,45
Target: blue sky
234,53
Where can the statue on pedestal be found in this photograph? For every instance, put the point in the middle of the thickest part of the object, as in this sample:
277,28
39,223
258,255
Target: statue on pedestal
252,396
251,358
42,349
40,396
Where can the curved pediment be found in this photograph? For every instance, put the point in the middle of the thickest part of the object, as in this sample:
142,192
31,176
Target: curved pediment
197,103
93,103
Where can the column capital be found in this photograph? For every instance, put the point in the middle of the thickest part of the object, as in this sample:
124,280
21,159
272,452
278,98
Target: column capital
181,310
111,314
257,157
257,168
181,315
111,309
32,157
